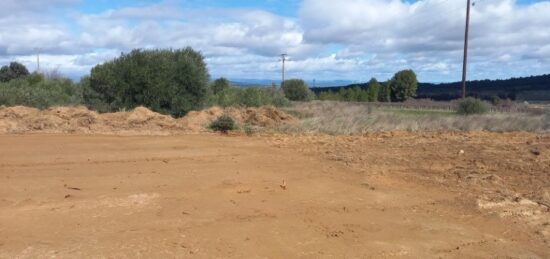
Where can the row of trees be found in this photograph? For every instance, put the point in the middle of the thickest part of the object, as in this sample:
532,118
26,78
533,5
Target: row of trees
222,93
167,81
374,92
402,86
37,90
173,82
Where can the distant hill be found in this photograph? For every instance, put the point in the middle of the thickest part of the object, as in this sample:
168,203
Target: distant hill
267,82
533,88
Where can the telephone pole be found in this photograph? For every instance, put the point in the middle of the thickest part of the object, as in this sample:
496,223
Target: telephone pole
37,60
465,63
284,59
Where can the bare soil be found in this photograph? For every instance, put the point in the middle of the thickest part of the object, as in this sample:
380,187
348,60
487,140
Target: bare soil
139,121
392,195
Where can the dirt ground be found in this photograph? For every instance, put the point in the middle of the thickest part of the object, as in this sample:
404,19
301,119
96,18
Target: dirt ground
387,195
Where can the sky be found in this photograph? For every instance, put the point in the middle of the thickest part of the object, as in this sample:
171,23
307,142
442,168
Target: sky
352,40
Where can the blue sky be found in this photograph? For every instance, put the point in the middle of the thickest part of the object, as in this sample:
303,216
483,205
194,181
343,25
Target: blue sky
327,40
281,7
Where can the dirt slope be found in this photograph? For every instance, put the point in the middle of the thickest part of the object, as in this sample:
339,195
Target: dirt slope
208,196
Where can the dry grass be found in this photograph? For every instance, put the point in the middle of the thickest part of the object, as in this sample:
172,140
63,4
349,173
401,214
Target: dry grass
356,118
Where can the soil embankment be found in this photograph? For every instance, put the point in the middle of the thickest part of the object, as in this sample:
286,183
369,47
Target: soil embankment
140,121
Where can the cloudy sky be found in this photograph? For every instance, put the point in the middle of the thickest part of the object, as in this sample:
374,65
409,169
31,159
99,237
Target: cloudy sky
325,39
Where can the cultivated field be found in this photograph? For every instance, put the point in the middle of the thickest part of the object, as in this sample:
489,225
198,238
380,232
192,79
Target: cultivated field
398,194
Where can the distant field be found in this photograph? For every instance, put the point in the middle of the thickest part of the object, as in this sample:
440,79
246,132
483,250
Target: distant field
413,111
358,118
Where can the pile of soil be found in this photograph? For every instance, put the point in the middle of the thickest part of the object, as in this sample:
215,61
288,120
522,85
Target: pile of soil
267,117
141,120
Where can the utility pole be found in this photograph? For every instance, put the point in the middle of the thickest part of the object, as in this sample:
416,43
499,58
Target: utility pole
465,64
37,60
284,59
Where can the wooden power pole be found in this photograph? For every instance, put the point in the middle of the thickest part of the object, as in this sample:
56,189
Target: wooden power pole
283,59
465,62
38,62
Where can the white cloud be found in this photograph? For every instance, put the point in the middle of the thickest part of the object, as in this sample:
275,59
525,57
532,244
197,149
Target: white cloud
502,32
18,7
372,37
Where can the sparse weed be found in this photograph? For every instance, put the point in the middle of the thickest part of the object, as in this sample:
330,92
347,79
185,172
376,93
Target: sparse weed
223,124
355,118
248,130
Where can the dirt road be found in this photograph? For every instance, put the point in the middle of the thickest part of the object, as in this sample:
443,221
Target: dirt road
210,196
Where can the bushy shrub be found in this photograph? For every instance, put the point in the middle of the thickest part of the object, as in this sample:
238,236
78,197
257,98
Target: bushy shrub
297,90
252,97
249,97
219,85
222,124
403,85
248,130
35,91
166,81
472,106
328,96
14,71
373,90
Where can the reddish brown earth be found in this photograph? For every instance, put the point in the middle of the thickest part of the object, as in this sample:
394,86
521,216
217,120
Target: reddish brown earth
139,121
394,195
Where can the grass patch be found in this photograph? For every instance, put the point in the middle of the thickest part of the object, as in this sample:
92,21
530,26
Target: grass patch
420,112
356,118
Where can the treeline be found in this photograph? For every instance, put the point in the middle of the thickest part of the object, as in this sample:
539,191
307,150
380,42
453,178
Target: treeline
19,87
372,93
402,86
166,81
533,88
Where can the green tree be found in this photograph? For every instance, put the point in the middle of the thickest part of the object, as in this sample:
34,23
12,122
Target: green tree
346,94
403,85
13,71
471,105
220,84
35,91
297,90
166,81
328,96
373,90
251,97
384,93
363,96
355,94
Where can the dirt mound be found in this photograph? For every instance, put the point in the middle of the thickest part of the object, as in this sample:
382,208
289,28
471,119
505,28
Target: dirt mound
141,120
81,120
198,120
266,116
